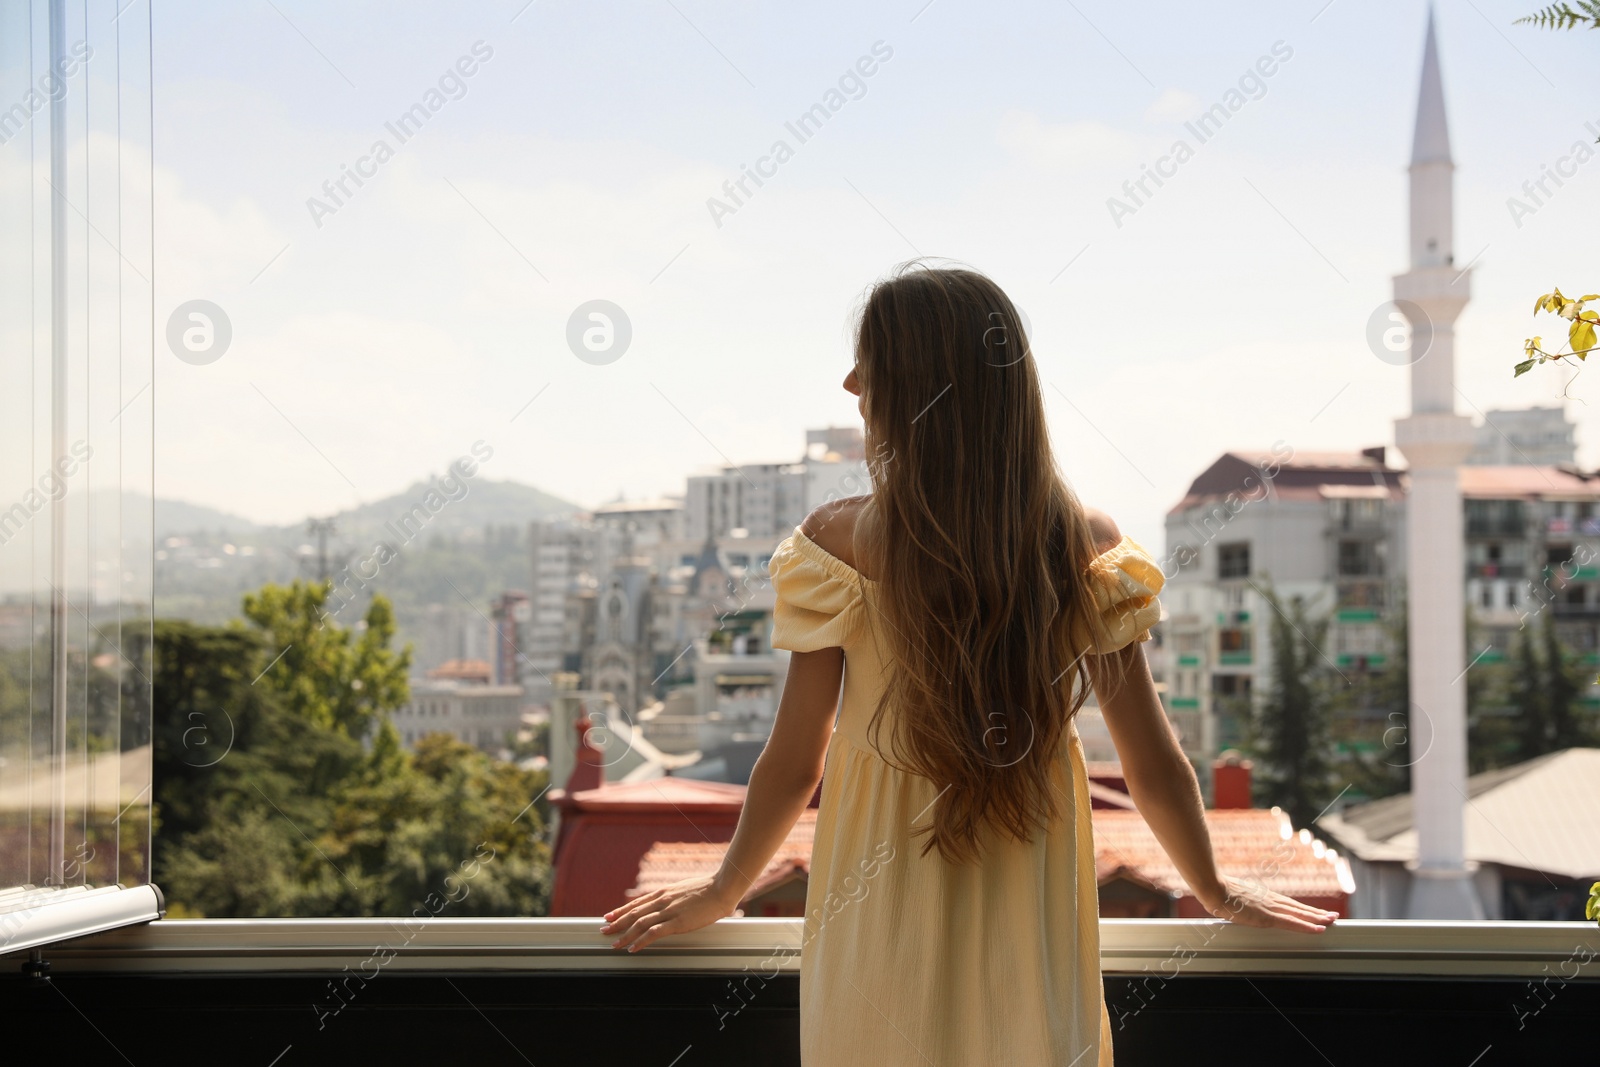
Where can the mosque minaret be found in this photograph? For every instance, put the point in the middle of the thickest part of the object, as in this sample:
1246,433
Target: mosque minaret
1435,441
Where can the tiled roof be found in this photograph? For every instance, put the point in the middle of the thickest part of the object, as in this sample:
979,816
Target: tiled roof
1504,483
1538,815
1249,845
684,794
672,861
464,669
1301,476
1103,797
1254,845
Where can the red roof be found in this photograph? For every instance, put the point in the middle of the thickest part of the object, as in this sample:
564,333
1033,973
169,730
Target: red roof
673,861
685,794
1255,845
1106,772
1249,845
1505,483
605,832
466,670
1103,798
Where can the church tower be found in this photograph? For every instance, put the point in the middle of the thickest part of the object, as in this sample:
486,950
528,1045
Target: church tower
1435,441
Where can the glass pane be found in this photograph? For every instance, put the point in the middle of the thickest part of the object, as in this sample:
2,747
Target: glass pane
76,492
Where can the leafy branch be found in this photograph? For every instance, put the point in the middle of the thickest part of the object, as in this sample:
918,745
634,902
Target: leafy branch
1580,335
1563,17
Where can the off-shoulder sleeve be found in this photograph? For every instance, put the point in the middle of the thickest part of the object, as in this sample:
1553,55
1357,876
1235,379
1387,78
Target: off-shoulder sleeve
1125,579
818,597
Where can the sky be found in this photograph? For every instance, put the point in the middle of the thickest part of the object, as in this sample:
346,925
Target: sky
377,335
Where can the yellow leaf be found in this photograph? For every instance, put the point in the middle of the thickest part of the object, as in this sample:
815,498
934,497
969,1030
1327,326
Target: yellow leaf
1581,336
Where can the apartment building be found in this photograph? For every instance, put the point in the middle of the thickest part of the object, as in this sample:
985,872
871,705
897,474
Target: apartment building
1329,529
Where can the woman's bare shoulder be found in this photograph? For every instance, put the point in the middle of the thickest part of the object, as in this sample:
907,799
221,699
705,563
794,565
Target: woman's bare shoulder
832,526
1103,528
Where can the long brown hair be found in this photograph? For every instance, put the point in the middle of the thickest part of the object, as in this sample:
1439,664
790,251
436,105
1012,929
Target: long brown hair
979,549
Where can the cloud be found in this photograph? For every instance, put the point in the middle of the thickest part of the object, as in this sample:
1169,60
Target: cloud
1072,146
1173,105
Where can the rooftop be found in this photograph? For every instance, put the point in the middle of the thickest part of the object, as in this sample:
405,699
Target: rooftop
462,670
1300,475
685,795
672,861
1527,482
1249,844
1538,815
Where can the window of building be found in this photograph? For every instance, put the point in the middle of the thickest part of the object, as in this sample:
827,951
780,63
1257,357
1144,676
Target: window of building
1360,557
1348,513
1230,685
1233,640
1494,518
1233,560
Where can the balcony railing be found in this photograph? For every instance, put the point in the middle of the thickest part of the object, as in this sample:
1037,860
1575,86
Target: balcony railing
552,990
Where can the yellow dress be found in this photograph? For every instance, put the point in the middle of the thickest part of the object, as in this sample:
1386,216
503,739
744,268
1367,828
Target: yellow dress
910,960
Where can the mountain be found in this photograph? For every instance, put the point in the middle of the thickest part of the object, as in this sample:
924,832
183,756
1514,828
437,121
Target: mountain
485,504
175,517
468,540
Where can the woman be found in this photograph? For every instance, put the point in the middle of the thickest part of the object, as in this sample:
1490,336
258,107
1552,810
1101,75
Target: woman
967,607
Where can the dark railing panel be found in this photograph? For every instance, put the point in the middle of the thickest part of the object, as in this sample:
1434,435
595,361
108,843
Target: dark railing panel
665,1018
286,992
651,1019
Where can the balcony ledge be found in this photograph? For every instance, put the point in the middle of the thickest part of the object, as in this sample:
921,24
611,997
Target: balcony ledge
1389,949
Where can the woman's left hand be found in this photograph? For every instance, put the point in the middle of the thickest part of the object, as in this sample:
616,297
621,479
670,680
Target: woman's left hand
1249,904
675,909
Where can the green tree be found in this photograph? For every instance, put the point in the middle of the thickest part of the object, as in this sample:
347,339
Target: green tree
1381,765
1568,724
272,804
342,678
1540,706
1291,732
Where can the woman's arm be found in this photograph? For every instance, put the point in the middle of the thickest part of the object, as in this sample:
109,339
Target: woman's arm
781,784
1164,788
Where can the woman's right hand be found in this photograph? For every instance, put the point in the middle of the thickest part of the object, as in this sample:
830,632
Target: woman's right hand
674,909
1251,904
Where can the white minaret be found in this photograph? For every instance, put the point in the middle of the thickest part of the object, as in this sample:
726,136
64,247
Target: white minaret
1435,441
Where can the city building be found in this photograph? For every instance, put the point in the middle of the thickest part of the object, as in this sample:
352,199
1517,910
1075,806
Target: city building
511,614
1533,436
669,600
1324,528
457,698
768,500
449,632
564,554
1532,544
1329,528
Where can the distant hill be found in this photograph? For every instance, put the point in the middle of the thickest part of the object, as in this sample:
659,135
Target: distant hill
486,503
475,547
180,517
